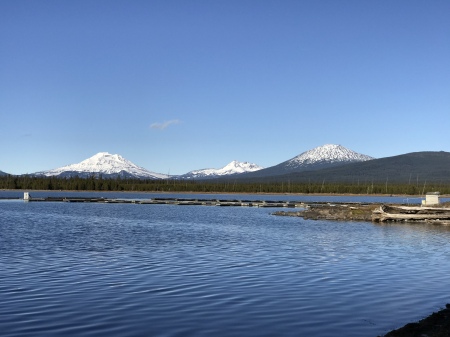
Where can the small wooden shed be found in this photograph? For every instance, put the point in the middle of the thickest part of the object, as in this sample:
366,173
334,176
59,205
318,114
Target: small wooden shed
431,198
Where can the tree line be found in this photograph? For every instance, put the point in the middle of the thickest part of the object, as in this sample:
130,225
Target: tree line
211,186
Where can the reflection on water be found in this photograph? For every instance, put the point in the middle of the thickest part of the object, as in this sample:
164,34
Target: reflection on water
115,269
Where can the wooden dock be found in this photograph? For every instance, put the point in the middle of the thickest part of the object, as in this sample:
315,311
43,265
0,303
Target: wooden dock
177,201
349,211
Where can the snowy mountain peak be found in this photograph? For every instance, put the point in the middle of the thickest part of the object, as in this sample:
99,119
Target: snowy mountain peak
235,167
104,163
240,167
328,153
101,155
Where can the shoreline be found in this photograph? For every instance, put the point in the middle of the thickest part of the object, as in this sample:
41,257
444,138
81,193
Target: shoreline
374,212
435,325
236,193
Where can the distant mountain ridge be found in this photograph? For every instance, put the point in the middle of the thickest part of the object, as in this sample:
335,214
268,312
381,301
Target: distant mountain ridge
327,163
105,164
113,165
3,173
235,167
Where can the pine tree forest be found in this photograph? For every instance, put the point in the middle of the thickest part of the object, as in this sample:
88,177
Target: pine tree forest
137,185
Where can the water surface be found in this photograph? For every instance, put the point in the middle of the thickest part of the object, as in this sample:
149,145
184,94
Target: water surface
164,270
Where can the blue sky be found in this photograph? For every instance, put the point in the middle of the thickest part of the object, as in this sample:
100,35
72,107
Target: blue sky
181,85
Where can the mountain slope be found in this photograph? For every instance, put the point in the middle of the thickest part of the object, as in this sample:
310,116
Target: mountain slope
105,164
235,167
3,173
412,168
329,155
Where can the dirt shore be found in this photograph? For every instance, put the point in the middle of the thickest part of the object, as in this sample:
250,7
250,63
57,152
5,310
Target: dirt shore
335,212
435,325
364,212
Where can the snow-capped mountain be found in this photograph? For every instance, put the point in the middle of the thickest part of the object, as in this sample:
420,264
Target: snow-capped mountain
328,155
105,164
3,173
235,167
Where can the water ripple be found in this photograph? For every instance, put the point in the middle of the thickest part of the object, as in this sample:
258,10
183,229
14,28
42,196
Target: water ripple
127,270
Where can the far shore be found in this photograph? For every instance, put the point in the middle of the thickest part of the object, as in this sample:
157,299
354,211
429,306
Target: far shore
236,193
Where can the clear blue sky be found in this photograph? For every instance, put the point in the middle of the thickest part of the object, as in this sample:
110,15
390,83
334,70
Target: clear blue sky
182,85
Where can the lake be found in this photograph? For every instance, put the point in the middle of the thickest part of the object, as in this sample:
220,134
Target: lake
97,269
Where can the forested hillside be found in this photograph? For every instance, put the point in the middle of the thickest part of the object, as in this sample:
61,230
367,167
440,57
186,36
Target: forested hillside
415,168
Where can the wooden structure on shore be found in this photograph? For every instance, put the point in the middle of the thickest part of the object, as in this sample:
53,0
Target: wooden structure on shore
408,213
431,198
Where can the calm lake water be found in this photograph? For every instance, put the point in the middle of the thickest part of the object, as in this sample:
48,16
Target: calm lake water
137,270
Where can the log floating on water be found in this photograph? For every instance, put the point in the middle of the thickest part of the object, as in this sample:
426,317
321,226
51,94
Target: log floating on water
404,213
